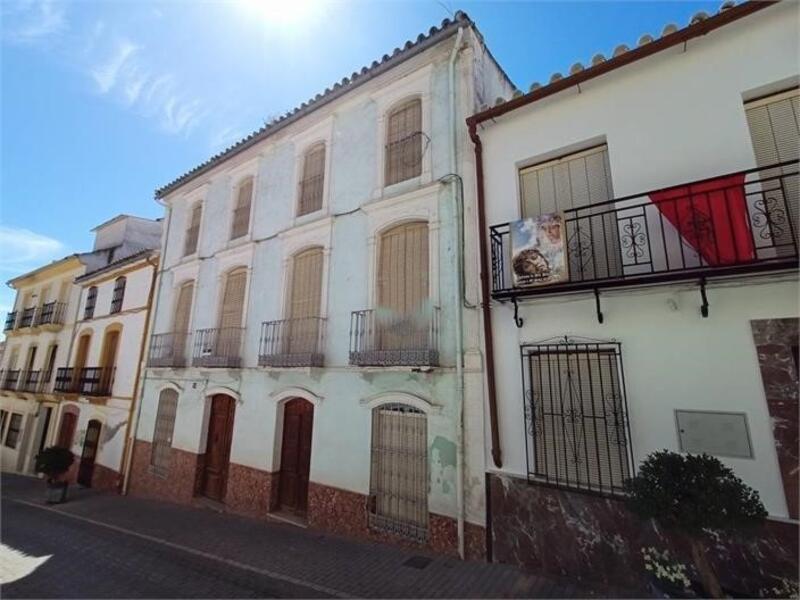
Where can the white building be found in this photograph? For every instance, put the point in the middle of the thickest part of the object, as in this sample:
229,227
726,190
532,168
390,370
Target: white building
692,288
75,343
308,359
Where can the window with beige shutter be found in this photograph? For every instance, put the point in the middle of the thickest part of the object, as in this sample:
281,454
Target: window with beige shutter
404,139
231,313
164,429
312,181
305,300
193,230
182,318
241,212
774,124
576,181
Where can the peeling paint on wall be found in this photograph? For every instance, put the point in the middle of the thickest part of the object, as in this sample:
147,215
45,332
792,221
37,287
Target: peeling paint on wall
443,466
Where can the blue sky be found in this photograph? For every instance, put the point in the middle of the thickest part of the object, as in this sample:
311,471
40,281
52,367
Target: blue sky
102,102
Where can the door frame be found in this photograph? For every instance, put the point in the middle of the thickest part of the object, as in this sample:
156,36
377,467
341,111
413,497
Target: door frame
282,407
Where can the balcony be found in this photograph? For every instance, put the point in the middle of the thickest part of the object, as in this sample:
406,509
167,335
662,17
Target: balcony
292,343
168,350
51,314
383,339
732,224
34,381
218,347
89,381
27,317
9,379
11,321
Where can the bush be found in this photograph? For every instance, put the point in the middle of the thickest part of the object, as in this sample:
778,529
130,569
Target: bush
691,494
54,462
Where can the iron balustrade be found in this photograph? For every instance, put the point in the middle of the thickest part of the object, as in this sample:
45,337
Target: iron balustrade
26,320
292,343
29,381
383,338
96,381
51,313
736,223
218,347
66,380
9,379
11,321
168,350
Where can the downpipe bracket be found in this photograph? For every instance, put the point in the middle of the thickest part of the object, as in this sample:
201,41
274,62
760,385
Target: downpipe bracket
704,306
518,321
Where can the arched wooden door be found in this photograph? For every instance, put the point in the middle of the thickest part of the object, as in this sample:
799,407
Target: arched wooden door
298,424
218,447
66,433
86,467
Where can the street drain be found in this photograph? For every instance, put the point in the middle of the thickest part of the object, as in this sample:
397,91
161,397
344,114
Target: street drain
417,562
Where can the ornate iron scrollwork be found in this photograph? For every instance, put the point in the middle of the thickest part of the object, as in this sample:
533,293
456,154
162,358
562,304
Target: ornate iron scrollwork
633,239
769,217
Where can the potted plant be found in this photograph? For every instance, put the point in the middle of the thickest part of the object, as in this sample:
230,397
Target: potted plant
694,495
54,462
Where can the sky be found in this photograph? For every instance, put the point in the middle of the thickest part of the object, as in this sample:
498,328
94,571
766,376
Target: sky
103,102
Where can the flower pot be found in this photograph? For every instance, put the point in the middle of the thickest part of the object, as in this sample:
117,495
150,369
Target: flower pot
56,492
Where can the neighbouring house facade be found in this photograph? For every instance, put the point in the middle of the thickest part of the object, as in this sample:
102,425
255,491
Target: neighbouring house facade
313,355
75,339
641,230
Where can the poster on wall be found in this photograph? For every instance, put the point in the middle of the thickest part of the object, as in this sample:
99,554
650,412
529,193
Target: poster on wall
538,250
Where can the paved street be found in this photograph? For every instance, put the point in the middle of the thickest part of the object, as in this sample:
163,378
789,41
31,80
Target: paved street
103,545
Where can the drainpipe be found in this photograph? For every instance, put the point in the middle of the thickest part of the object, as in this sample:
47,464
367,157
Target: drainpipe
138,392
457,303
485,304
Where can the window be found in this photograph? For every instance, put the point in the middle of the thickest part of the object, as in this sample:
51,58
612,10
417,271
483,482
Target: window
399,471
576,415
66,433
193,230
51,361
304,301
182,318
774,124
404,139
14,427
570,182
241,212
91,300
313,180
162,435
3,419
228,342
118,295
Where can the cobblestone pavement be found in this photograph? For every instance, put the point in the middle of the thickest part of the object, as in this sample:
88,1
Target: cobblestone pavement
108,546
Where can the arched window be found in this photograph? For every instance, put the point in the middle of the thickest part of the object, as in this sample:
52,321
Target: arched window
313,180
91,301
119,295
240,224
193,230
404,142
164,428
399,471
305,299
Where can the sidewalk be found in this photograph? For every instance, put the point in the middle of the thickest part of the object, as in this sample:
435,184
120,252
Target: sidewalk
333,565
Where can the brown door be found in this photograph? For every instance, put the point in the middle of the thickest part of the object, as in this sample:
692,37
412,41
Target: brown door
80,357
298,422
86,468
218,447
66,433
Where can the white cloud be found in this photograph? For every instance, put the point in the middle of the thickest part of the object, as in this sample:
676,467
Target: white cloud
31,21
106,74
23,250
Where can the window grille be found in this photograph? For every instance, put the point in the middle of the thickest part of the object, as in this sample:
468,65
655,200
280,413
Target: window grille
91,300
313,181
162,435
14,427
241,213
399,471
578,435
118,295
193,231
404,139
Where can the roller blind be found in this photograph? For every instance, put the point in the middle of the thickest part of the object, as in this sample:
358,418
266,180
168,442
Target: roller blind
311,185
306,284
403,268
241,213
404,142
233,299
183,308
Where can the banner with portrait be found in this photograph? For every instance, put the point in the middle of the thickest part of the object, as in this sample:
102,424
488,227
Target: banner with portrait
538,250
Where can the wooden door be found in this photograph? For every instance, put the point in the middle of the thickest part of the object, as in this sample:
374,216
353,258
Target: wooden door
218,447
298,423
86,468
66,432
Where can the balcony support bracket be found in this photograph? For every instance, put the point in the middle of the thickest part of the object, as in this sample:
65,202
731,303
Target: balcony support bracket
518,321
597,306
704,305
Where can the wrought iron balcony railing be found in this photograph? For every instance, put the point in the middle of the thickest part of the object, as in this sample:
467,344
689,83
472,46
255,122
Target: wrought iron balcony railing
51,313
35,381
89,381
66,380
218,347
384,338
9,379
735,223
292,343
11,321
26,319
168,350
